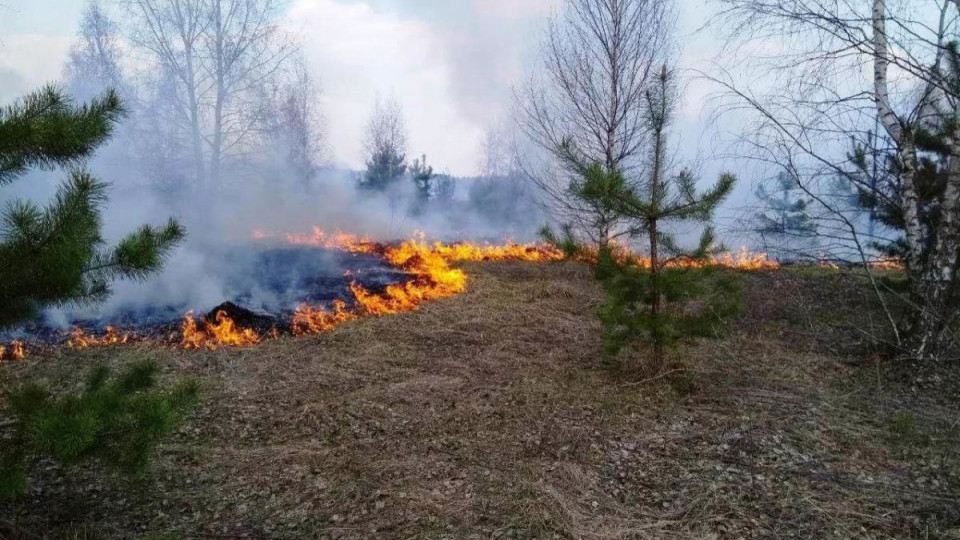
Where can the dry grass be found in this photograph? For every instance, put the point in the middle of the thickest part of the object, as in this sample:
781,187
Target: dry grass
489,416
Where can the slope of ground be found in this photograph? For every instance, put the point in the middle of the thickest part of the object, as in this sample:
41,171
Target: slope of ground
489,416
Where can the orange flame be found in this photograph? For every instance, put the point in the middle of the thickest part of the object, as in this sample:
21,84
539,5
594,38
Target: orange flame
14,352
431,277
222,332
507,252
338,240
80,340
308,320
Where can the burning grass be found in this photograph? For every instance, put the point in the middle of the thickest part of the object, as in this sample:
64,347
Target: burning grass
432,276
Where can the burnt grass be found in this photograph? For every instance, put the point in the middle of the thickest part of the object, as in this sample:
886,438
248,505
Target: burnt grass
490,416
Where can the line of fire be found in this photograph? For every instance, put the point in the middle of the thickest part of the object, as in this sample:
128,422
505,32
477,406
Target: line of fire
429,271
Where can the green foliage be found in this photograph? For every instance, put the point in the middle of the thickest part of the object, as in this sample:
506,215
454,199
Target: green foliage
117,420
55,254
784,222
695,303
877,170
46,130
876,181
384,168
654,301
422,176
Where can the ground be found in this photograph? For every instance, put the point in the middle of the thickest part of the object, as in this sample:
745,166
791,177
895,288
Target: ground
489,415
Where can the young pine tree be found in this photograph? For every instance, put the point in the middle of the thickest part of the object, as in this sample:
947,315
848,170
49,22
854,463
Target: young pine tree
116,420
784,223
423,178
385,142
55,255
654,300
384,168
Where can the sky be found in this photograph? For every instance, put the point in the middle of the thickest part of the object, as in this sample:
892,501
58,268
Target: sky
452,64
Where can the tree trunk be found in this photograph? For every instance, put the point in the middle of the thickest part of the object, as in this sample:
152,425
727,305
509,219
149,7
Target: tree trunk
656,303
216,145
195,135
936,290
931,275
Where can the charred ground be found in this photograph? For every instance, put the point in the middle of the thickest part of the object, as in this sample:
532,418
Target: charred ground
262,286
487,415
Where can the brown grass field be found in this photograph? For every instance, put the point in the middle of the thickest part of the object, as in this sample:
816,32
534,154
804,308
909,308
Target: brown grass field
490,416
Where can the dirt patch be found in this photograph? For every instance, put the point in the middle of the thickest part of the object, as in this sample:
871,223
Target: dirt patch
488,415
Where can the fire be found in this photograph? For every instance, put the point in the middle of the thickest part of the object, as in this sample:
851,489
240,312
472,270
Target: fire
431,277
222,332
888,264
338,240
741,260
80,340
308,320
507,252
14,352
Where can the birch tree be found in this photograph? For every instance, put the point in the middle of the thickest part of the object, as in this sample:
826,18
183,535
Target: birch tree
861,73
94,64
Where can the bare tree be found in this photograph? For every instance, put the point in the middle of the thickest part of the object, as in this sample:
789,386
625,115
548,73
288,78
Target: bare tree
386,129
171,33
599,59
95,59
297,123
246,51
498,153
221,55
876,75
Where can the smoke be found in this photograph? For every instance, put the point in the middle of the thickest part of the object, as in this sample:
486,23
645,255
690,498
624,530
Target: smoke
454,76
221,260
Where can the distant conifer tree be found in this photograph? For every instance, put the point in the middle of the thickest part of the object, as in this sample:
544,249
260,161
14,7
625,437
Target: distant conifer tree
784,223
385,142
423,180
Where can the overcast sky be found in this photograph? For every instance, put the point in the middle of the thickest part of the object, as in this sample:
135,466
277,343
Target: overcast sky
450,63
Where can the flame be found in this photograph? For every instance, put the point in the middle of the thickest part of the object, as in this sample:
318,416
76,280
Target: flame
433,277
741,260
506,252
14,352
887,264
222,332
308,320
429,267
80,340
338,240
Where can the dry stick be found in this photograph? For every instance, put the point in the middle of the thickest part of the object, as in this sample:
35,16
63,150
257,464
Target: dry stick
652,379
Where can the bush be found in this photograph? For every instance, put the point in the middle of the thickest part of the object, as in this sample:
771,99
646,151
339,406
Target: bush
116,420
